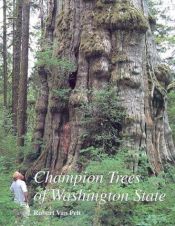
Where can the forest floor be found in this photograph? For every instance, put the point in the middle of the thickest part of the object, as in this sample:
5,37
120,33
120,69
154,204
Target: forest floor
7,216
127,214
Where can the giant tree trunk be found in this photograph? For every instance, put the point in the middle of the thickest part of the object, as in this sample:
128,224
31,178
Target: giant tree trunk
108,41
22,93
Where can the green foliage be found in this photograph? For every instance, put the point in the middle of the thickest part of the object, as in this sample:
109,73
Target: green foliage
8,145
103,117
63,94
151,5
47,59
7,207
89,154
118,212
109,213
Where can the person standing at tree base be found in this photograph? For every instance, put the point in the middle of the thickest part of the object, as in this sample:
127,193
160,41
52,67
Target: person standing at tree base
20,192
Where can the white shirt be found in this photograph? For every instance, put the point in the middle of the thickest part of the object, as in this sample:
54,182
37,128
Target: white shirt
18,187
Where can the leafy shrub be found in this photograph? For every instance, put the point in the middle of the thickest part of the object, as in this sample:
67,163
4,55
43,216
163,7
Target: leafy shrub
103,117
47,59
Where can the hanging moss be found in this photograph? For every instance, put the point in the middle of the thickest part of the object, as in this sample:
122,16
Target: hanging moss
155,84
94,43
120,16
100,68
119,58
63,34
78,97
163,74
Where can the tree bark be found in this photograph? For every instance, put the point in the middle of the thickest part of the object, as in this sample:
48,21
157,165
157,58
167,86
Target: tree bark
22,94
5,76
42,15
109,42
16,59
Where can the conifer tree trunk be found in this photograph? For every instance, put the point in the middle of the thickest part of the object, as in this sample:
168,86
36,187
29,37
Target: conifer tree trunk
5,76
42,15
22,93
109,42
16,59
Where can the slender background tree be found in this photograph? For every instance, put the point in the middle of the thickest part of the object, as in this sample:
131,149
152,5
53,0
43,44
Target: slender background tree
22,89
16,59
5,76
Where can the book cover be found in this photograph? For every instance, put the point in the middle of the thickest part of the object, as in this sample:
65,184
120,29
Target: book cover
87,113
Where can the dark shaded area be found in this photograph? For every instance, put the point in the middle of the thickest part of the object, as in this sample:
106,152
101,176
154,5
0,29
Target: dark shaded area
73,79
